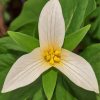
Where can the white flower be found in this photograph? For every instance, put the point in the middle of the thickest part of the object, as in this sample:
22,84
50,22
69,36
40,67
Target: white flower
51,54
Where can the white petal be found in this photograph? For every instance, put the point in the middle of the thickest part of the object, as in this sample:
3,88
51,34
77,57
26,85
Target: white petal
78,70
51,25
25,70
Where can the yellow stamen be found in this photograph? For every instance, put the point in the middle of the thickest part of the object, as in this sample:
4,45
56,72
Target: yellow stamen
51,62
52,56
46,54
48,57
51,51
56,59
57,52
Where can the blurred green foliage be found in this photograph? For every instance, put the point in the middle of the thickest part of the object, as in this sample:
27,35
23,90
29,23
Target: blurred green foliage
4,2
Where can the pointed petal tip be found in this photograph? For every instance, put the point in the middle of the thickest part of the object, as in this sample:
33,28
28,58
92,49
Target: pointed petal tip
2,91
97,91
96,87
5,90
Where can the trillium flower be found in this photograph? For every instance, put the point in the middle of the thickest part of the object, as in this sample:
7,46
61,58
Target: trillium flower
51,54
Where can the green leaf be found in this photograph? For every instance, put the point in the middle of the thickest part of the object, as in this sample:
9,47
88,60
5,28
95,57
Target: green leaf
6,43
68,8
98,97
98,2
72,40
79,93
78,16
39,95
26,42
26,92
94,19
30,29
49,82
6,60
29,91
61,92
91,7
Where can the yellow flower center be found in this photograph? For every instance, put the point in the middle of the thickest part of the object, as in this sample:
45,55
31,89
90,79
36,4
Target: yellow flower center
52,56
